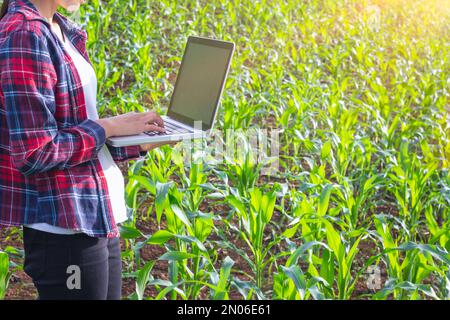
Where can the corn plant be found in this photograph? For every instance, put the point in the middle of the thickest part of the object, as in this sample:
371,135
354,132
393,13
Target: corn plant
409,264
292,283
189,228
4,273
337,262
254,216
412,183
243,170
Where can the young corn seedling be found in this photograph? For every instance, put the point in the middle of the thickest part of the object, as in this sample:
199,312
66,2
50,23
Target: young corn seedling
243,170
291,283
186,226
307,208
146,179
188,258
356,203
439,234
337,262
254,216
409,265
4,273
412,182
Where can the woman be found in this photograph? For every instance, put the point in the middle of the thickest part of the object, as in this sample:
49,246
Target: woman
58,178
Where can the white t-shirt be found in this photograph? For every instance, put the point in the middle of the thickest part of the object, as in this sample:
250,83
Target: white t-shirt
113,175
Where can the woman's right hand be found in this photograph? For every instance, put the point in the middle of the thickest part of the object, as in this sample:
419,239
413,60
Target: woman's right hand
132,123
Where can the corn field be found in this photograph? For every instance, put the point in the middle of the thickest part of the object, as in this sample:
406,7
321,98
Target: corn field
359,205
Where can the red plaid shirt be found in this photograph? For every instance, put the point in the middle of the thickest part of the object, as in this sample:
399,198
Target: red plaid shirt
49,170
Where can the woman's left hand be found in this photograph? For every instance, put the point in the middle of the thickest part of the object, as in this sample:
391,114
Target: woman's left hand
151,146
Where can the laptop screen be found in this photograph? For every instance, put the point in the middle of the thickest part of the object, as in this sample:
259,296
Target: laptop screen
200,81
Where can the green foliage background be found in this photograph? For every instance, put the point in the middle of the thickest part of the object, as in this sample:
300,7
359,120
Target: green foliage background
360,89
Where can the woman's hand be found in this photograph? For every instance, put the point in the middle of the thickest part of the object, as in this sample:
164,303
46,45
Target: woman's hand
132,123
151,146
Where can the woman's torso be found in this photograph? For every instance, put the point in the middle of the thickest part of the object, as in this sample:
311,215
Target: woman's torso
71,197
113,175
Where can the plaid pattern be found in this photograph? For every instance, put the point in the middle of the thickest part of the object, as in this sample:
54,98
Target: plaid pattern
49,170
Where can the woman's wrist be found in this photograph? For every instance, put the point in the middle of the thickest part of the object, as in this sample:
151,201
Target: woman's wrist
107,126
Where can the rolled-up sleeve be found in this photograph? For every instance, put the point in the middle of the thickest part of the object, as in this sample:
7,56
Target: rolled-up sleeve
28,79
126,153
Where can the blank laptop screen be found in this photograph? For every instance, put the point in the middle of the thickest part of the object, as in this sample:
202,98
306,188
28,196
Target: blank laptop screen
199,83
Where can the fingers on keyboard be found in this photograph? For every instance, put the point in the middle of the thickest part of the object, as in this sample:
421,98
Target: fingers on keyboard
174,128
170,129
155,133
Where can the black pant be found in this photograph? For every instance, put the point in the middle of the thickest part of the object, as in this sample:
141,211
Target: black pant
73,266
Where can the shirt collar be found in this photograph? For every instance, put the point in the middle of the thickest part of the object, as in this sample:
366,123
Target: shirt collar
30,12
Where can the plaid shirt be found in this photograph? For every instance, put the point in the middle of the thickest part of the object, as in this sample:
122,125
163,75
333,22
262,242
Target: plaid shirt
49,170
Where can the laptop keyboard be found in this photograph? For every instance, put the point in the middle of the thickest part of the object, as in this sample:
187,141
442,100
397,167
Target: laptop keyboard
171,128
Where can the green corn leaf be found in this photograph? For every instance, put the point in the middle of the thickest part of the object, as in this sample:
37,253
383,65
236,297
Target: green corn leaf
435,251
181,215
128,232
160,237
293,258
142,279
290,232
324,200
145,182
334,242
267,206
225,271
297,276
237,204
176,256
4,273
191,239
326,150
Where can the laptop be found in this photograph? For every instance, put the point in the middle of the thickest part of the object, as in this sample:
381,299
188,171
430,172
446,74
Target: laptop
196,95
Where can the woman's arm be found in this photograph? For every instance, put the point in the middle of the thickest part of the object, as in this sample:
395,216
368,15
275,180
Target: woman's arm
37,144
117,126
27,80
